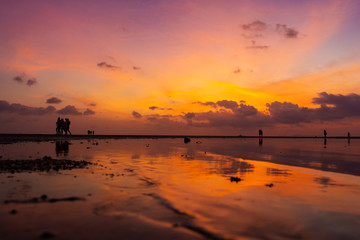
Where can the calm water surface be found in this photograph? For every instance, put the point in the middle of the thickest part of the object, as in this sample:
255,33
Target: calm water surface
165,189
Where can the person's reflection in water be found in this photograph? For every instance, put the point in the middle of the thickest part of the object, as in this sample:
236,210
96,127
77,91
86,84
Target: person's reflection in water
62,148
260,141
324,142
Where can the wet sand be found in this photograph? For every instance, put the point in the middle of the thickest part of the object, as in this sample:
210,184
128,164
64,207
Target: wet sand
162,188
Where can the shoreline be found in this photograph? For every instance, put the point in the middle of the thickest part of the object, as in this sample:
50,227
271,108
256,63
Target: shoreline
5,138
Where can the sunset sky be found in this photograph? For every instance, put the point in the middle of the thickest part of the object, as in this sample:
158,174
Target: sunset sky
181,67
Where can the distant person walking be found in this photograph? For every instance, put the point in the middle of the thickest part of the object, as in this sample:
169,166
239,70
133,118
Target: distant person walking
348,134
325,133
260,133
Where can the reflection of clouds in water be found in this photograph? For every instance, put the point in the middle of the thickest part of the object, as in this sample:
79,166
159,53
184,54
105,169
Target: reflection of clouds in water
326,182
238,166
277,172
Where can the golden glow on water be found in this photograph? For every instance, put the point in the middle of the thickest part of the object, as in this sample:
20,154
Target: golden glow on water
164,182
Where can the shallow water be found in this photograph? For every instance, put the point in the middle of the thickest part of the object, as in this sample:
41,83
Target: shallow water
165,189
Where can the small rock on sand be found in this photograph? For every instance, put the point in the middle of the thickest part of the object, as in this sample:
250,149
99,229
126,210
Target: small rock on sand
47,235
14,211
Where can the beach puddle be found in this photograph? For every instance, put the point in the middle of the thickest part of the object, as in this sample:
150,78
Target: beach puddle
166,189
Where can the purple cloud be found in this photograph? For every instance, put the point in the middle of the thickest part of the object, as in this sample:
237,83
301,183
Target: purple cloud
89,112
189,115
222,103
22,79
24,110
136,115
286,31
237,70
31,82
255,26
340,106
211,104
289,113
159,108
153,107
53,100
69,110
332,108
260,47
227,104
18,79
106,65
246,110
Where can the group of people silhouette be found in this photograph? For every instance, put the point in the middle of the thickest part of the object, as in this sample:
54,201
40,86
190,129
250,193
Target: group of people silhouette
63,126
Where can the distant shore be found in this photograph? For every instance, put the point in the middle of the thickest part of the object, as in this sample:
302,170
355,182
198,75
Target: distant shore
9,138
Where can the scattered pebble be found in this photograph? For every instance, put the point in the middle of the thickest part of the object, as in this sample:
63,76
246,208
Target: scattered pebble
47,235
43,165
44,199
235,179
14,211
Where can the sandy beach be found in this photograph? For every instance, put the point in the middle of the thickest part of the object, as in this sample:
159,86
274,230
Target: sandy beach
62,187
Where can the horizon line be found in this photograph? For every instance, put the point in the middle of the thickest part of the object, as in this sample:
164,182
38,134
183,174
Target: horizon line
164,136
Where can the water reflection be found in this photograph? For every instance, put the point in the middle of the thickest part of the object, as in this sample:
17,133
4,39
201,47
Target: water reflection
219,189
62,148
278,172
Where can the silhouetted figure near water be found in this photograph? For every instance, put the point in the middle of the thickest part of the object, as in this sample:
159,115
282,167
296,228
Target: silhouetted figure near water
58,126
349,135
260,133
67,126
325,133
63,126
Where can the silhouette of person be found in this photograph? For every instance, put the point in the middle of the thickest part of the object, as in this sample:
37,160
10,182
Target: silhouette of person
260,133
67,126
325,133
58,126
348,134
62,126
